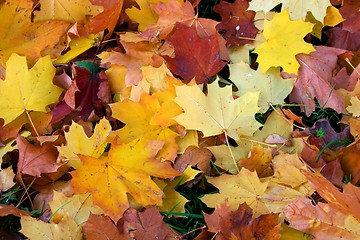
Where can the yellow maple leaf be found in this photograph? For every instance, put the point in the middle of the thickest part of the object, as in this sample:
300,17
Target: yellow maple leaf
276,123
217,112
144,16
78,46
332,18
274,89
70,11
284,39
31,90
150,119
297,8
37,229
19,35
126,170
79,143
173,200
287,170
263,197
78,207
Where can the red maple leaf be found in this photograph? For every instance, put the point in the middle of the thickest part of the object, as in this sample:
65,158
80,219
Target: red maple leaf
236,23
314,80
89,93
194,56
35,160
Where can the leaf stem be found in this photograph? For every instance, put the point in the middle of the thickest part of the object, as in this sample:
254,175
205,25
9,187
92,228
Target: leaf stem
32,123
231,153
258,142
283,117
352,66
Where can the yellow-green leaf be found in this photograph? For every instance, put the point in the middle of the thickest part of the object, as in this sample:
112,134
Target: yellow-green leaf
27,90
217,112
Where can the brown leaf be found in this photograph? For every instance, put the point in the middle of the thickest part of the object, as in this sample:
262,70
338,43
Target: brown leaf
35,160
239,224
101,228
194,156
11,209
194,56
314,78
351,14
145,225
343,39
323,220
236,24
108,18
259,160
347,202
349,159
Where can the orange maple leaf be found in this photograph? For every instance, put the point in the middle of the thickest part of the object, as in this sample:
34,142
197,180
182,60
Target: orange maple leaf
127,169
150,118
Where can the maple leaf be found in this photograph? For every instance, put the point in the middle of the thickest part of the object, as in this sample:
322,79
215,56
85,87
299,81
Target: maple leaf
322,220
314,80
259,160
147,121
101,227
138,53
159,78
6,178
35,160
169,14
348,158
217,112
146,225
31,90
263,197
173,200
144,15
350,12
273,88
194,156
338,217
297,8
78,45
236,24
69,11
276,123
37,229
78,207
287,170
108,18
127,169
19,35
172,12
343,39
79,143
88,94
354,108
239,224
284,39
11,209
194,56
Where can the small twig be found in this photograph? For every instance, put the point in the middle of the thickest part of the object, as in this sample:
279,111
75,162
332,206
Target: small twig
195,229
26,188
